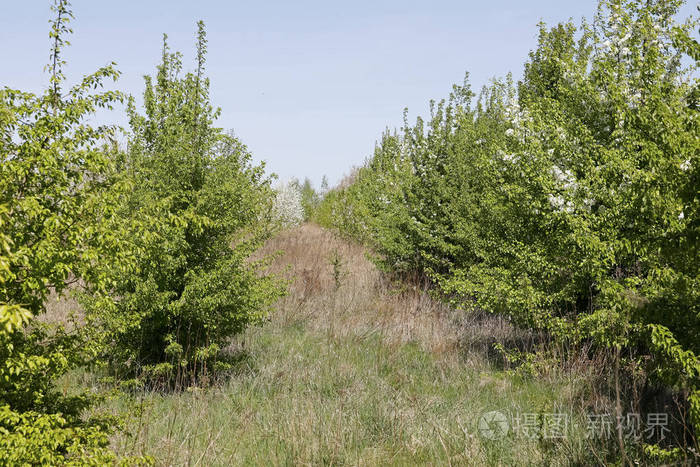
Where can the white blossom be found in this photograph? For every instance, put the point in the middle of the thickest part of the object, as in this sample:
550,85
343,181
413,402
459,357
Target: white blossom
287,209
506,157
556,201
566,177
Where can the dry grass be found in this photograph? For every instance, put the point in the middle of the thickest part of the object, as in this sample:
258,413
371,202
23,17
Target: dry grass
335,288
351,296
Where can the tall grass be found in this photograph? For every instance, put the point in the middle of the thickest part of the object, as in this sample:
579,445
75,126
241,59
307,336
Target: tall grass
353,369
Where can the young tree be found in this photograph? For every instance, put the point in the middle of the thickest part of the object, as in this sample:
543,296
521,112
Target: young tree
58,196
197,212
288,209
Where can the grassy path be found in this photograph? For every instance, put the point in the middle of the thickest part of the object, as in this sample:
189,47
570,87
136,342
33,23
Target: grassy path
352,371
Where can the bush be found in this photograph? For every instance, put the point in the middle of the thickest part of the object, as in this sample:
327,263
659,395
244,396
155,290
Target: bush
198,209
288,209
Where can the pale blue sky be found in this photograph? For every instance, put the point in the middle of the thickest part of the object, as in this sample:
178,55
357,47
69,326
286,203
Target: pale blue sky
307,85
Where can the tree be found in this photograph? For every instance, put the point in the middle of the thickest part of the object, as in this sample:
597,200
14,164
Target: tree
58,196
199,208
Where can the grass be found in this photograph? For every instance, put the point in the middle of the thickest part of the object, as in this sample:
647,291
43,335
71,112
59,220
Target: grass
352,370
306,397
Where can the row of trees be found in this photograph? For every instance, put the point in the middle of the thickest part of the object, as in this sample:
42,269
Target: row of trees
154,238
568,202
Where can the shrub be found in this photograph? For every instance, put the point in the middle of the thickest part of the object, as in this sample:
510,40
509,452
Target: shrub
288,209
198,209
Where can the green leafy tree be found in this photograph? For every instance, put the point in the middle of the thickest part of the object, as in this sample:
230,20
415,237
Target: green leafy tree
58,197
198,209
309,199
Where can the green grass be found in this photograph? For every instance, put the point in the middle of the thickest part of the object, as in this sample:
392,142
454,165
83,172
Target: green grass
309,397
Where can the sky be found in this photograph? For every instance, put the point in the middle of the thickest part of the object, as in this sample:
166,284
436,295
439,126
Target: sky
308,86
